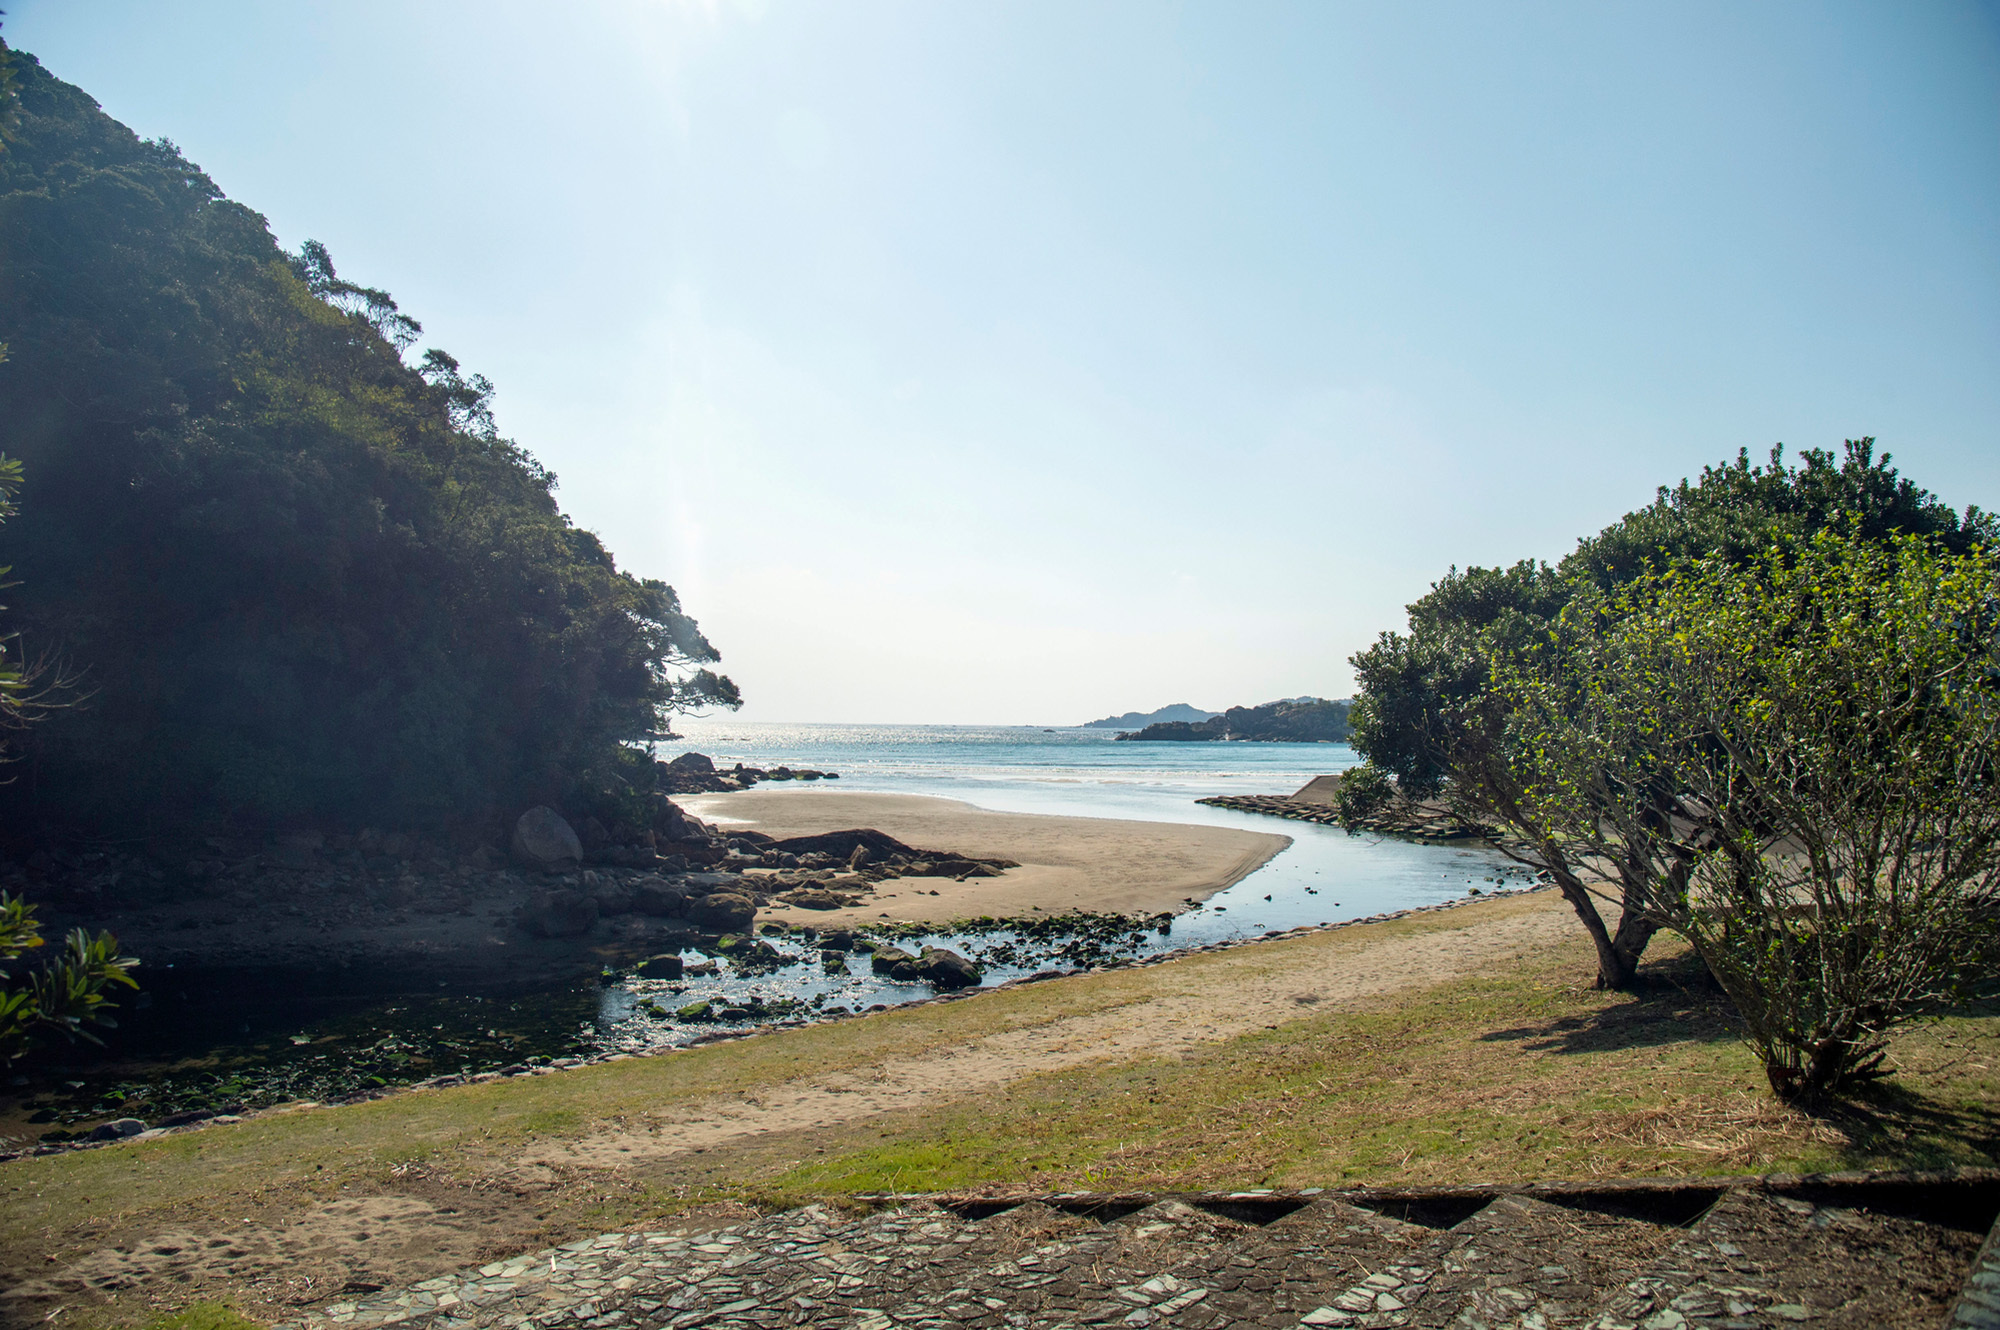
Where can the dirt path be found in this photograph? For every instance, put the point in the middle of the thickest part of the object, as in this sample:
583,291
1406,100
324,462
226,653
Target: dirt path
271,1233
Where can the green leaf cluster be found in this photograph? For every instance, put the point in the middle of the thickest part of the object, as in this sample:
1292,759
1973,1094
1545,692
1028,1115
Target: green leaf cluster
302,577
1429,717
65,995
1798,756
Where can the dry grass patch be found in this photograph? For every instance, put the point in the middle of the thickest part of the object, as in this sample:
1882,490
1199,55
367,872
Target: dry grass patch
1498,1079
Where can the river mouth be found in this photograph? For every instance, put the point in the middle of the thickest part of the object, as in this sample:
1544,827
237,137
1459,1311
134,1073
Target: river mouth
220,1040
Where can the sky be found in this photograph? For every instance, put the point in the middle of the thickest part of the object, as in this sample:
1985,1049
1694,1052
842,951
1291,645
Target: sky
1023,363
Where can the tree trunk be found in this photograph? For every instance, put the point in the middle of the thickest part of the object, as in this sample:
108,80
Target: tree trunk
1613,969
1635,930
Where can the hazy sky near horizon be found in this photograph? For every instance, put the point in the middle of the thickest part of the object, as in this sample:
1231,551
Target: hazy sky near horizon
1029,362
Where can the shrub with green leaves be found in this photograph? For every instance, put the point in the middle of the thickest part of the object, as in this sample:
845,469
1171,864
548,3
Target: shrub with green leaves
1799,756
65,995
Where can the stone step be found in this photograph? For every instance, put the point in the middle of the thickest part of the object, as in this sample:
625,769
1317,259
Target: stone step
1735,1254
1762,1259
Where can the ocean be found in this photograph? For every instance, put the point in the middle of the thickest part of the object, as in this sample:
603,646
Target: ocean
1325,876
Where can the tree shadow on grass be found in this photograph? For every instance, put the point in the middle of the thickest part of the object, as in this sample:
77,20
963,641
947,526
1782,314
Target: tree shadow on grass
1915,1127
1673,1002
1891,1122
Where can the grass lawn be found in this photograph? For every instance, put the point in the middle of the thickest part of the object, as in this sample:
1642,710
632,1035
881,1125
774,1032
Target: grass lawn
1521,1072
1513,1077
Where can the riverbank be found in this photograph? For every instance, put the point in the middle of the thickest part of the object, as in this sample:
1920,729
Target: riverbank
315,972
1067,864
1456,1045
426,915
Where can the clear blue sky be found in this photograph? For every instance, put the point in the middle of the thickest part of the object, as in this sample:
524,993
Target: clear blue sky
1026,362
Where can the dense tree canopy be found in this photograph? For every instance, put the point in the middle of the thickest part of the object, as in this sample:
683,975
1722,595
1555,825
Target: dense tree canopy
296,577
1797,757
1428,716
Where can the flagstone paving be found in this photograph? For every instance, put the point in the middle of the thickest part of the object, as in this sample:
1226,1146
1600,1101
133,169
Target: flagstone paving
1864,1253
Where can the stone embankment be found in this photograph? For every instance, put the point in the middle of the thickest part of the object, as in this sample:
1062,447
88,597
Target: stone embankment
1846,1252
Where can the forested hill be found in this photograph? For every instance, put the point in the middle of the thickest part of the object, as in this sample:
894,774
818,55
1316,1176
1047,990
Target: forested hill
1139,720
292,570
1292,720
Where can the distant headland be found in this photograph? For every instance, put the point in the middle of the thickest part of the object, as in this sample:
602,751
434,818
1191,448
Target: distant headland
1288,720
1139,720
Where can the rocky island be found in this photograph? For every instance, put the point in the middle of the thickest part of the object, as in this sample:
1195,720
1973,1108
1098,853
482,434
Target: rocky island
1288,720
1139,720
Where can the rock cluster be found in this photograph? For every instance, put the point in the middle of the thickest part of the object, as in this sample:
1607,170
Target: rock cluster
696,773
822,872
1418,820
934,965
332,901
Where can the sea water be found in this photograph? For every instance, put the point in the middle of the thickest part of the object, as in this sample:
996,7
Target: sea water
1324,876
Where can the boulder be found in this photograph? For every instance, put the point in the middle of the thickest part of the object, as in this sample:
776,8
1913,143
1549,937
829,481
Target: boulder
660,967
761,955
543,840
814,898
948,969
560,914
112,1131
842,844
187,1117
694,762
960,868
887,958
613,898
723,911
659,898
673,823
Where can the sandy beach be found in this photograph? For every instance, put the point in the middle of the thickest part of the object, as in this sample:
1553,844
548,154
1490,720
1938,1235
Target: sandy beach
1067,863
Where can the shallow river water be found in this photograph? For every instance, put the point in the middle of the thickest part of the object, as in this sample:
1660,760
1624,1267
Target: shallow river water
203,1043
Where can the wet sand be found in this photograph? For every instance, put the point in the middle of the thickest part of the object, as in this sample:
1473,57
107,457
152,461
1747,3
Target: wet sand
1067,863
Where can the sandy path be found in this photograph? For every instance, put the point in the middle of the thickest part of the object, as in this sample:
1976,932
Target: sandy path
1198,1001
1067,863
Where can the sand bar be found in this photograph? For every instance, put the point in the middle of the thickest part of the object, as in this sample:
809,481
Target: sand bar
1067,863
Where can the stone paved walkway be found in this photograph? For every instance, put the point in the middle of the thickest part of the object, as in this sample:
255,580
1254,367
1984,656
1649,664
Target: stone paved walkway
1854,1252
